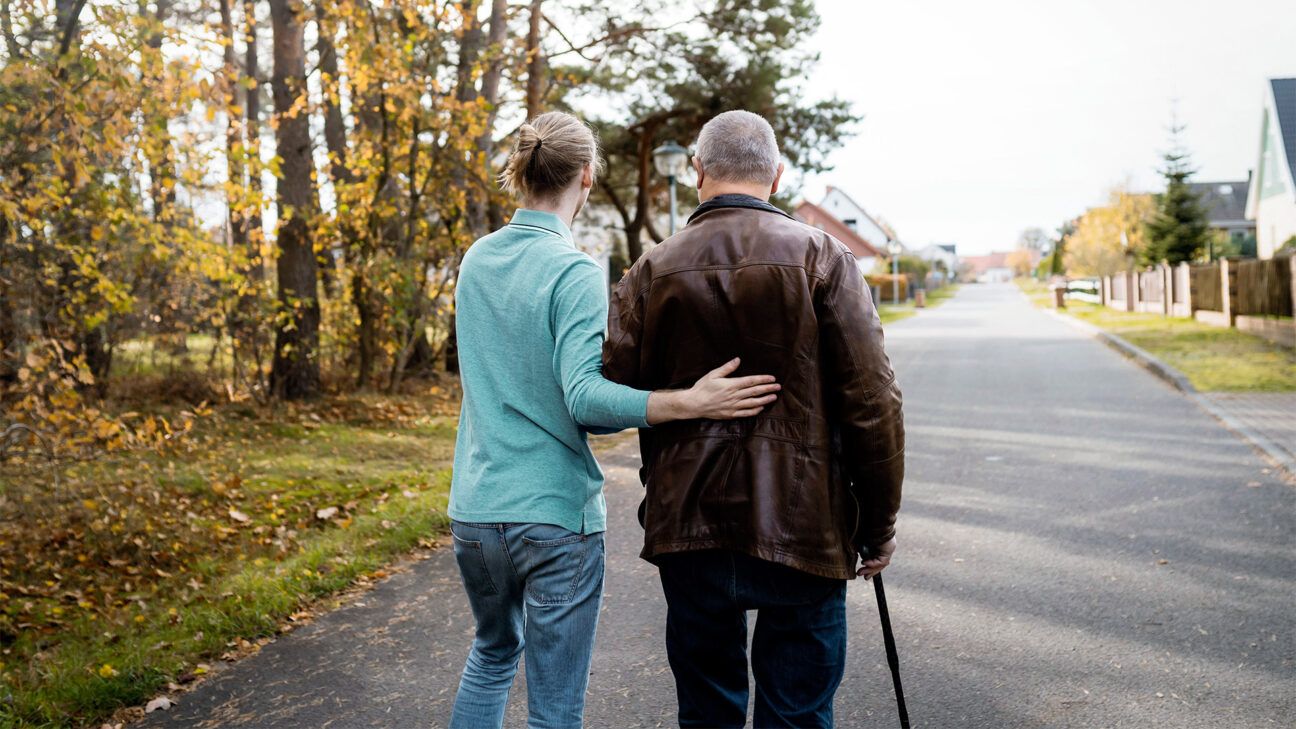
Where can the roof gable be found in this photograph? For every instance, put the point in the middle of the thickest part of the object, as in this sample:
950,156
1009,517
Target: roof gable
1284,96
815,216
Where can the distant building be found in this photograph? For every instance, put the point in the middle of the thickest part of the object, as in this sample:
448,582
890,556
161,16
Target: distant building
1271,199
1225,207
990,268
866,253
854,216
943,253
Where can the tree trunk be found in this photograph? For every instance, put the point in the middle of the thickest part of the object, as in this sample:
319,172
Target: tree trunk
233,130
295,372
535,63
252,137
162,170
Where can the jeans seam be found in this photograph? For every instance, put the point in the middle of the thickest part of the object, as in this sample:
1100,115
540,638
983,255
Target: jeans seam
508,554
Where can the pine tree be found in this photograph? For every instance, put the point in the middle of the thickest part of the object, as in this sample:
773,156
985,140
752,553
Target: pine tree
1178,232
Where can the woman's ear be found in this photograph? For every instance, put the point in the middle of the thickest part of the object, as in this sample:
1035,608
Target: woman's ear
587,177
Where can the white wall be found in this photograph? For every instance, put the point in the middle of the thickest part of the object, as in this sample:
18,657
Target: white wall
840,206
1275,223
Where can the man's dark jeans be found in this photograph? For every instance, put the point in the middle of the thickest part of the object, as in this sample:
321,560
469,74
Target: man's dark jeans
798,652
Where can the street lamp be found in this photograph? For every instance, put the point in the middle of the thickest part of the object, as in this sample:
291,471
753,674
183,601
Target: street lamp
671,161
893,247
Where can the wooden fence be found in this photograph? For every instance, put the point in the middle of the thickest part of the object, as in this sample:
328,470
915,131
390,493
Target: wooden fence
1204,287
1253,295
1264,287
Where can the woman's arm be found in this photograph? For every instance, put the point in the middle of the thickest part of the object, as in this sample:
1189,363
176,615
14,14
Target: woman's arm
578,317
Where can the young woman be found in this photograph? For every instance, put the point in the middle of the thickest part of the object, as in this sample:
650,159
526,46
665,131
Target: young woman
527,497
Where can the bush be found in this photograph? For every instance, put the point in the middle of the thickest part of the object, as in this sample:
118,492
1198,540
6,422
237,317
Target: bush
882,282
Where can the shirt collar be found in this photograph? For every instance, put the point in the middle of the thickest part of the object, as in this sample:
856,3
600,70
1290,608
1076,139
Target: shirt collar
527,218
735,200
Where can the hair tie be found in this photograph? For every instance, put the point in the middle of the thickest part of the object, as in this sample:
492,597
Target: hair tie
539,142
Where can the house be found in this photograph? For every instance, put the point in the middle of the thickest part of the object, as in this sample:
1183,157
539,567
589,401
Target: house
944,254
854,216
1225,206
866,253
1271,199
990,268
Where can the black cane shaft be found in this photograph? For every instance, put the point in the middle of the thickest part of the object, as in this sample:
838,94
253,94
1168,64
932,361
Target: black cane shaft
893,658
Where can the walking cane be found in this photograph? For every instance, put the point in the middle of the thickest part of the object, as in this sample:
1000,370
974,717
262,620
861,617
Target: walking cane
893,659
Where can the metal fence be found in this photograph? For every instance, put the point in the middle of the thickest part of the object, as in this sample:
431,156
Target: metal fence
1264,287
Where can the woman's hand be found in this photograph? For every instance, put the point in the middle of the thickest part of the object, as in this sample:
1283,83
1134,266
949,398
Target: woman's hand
716,397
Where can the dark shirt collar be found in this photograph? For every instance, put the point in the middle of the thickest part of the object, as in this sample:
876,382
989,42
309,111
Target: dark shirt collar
735,200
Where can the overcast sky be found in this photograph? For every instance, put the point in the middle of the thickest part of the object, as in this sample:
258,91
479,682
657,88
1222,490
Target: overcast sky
983,118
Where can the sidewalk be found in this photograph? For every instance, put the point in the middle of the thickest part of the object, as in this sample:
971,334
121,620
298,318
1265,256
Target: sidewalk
1269,415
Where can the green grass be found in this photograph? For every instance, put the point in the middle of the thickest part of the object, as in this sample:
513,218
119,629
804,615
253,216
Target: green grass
140,567
1212,358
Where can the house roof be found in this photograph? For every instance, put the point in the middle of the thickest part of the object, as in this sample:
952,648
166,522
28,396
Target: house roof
813,215
1224,202
881,224
977,265
1284,94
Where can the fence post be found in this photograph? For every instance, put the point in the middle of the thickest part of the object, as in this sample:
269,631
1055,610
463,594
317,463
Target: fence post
1183,279
1131,290
1228,292
1167,288
1291,261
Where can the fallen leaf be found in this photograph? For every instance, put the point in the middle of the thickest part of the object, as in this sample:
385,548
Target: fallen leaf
326,513
239,516
160,702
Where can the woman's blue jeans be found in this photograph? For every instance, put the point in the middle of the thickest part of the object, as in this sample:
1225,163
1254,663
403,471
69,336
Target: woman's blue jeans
534,588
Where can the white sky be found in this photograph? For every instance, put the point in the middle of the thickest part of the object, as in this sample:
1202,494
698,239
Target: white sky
984,118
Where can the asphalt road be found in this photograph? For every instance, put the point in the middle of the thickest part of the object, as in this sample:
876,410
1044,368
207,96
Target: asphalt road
1080,546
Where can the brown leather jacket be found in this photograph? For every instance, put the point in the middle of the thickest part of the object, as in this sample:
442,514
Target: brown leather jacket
814,478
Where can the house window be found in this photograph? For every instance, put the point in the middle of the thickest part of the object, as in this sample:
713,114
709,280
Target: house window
850,223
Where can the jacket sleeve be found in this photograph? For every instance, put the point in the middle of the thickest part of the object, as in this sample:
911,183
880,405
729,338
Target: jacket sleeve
578,318
860,388
625,328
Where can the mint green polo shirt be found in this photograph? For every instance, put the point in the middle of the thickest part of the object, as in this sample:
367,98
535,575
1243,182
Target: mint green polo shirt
531,314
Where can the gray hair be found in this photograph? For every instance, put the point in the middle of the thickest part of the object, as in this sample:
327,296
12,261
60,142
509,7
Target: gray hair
738,146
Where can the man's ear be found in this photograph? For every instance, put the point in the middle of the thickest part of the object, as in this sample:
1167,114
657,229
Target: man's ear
778,174
587,177
697,166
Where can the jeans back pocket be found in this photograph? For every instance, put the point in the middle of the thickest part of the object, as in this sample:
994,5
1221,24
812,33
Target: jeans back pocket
555,567
472,566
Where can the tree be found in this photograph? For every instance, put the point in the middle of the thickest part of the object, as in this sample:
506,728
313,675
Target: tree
733,54
1179,231
1111,237
295,373
1033,239
1020,261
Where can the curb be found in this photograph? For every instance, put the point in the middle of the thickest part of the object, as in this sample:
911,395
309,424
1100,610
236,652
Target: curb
1275,454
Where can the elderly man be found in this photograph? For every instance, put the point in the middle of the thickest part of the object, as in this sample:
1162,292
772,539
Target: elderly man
773,512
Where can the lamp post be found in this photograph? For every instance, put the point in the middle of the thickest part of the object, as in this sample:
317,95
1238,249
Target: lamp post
893,247
671,161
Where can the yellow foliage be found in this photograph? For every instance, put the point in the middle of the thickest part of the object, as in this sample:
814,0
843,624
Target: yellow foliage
1110,238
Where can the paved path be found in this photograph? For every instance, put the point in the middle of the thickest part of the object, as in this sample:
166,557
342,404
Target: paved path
1270,415
1081,546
